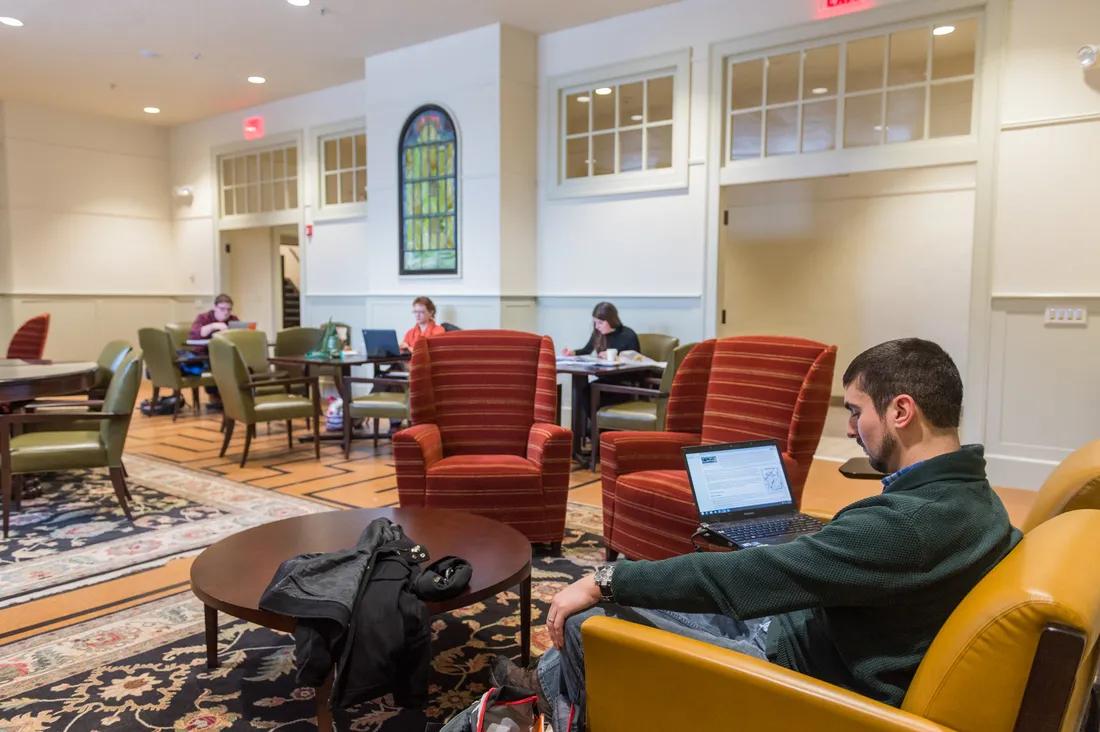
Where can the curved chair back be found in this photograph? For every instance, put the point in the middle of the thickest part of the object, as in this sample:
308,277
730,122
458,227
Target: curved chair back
121,397
1022,645
657,346
672,366
180,333
230,373
160,358
252,345
29,341
1074,484
483,389
450,327
110,358
297,341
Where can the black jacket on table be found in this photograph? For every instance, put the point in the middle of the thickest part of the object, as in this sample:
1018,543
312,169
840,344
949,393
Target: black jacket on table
621,339
356,609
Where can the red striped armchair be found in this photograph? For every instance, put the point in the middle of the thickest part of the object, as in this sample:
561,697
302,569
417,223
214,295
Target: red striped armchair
728,390
484,437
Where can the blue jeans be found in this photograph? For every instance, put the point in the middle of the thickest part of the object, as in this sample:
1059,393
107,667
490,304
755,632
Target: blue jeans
561,674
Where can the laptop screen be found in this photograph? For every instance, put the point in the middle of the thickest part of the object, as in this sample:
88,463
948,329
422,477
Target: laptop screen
738,477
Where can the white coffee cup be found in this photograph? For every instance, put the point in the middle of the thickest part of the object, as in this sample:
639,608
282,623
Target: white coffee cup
612,354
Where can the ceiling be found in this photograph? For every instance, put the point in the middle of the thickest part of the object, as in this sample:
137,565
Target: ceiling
86,55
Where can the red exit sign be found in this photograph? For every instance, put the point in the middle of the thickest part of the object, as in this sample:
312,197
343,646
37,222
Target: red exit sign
829,8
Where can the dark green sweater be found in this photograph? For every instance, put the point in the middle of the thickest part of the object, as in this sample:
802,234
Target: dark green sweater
858,603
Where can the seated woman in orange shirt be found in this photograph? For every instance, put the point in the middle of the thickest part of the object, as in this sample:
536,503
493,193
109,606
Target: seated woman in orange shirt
424,312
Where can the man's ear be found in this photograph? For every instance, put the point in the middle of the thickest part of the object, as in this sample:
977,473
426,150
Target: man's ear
905,411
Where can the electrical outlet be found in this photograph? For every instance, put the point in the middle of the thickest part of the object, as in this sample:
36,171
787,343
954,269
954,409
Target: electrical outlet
1066,315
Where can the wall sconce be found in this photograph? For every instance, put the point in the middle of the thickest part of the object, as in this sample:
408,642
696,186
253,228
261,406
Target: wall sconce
183,195
1087,55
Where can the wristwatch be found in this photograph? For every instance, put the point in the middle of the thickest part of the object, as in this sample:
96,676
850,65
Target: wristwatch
603,581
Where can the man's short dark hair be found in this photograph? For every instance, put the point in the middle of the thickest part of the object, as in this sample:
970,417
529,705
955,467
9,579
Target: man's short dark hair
919,368
223,298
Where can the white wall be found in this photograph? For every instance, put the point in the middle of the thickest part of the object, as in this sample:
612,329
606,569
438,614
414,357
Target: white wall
1042,385
87,229
852,260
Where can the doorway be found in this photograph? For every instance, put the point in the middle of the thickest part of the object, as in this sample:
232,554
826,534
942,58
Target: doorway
263,269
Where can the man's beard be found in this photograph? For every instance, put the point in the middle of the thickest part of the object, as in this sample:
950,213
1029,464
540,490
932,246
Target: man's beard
880,461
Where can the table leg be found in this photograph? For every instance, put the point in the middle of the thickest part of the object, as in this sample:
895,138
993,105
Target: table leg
324,714
579,382
525,620
211,637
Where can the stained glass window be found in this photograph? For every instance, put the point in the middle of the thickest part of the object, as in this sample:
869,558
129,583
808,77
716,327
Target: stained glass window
429,193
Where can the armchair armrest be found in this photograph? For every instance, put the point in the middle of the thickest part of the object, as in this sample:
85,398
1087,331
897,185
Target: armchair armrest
253,383
414,451
687,682
598,387
47,404
632,452
269,375
57,417
403,383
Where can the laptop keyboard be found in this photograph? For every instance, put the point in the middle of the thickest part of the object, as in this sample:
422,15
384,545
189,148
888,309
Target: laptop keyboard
797,524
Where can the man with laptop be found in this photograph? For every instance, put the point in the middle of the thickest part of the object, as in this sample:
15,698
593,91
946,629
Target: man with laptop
855,603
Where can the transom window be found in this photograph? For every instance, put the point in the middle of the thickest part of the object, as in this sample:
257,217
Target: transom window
344,168
912,84
623,127
259,182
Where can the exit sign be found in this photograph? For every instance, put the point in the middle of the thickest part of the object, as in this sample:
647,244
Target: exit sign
254,128
829,8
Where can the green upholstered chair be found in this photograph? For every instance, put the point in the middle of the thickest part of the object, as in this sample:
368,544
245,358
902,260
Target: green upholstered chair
110,360
297,341
241,403
376,405
640,415
253,347
65,449
162,361
181,333
657,346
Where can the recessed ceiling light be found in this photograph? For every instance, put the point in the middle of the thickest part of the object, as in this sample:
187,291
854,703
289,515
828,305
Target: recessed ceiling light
584,100
820,90
943,30
299,3
13,22
152,110
257,79
636,117
603,91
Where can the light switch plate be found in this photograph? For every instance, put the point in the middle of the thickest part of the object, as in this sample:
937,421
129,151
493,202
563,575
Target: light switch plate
1066,315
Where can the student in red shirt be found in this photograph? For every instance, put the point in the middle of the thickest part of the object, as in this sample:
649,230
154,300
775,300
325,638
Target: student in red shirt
424,312
204,327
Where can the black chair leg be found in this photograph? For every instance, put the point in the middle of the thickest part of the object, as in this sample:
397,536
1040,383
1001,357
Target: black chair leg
153,404
227,428
251,431
177,395
195,396
121,491
5,488
290,434
612,554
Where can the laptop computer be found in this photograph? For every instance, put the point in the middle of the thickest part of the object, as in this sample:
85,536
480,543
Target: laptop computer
241,324
381,343
743,495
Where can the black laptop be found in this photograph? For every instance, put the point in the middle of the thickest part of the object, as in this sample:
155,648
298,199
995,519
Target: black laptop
381,343
743,495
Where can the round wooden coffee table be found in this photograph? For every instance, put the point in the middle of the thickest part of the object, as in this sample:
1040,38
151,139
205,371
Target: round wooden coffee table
232,575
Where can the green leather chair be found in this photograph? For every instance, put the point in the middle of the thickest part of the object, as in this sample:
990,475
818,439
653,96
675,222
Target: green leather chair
162,361
181,333
657,346
241,403
376,405
64,449
646,415
110,360
297,341
253,347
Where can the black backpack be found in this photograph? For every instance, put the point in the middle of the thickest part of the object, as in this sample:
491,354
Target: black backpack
164,405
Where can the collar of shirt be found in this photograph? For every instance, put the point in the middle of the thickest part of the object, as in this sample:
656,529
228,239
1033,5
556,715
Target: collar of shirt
894,476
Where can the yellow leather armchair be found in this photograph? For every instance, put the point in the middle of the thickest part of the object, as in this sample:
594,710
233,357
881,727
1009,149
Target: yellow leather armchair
1018,655
1073,485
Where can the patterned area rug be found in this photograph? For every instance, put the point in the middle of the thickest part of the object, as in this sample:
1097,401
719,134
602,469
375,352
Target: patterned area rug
76,533
145,668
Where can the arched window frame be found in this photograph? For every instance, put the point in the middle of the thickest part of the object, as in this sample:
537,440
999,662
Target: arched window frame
443,265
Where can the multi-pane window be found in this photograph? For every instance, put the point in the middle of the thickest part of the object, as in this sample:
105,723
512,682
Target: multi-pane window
617,128
912,84
259,182
344,169
428,160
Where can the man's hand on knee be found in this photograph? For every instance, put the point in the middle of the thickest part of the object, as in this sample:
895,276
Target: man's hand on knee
575,598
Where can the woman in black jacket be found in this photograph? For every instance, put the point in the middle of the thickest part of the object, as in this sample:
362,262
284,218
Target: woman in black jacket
608,331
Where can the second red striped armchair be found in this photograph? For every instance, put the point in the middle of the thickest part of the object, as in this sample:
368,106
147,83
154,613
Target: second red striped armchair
484,437
728,390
